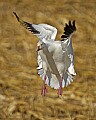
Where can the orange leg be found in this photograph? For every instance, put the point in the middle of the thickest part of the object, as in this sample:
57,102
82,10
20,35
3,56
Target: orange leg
60,88
44,89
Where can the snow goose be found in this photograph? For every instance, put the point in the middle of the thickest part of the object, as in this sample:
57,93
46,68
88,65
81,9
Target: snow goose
55,58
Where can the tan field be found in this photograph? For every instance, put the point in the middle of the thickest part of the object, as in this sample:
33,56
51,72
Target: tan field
20,84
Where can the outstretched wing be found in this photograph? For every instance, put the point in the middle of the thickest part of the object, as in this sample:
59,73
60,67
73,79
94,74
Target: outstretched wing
69,29
40,30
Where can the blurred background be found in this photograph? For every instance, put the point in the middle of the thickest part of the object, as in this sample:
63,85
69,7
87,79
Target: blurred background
20,85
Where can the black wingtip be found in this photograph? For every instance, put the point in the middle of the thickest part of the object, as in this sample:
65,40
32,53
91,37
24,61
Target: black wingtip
70,23
74,25
26,24
16,15
69,29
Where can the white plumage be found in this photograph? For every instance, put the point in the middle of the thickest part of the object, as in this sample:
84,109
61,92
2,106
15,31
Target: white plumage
55,58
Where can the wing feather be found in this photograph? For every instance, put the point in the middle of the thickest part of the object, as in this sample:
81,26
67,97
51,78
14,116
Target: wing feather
26,25
69,29
40,30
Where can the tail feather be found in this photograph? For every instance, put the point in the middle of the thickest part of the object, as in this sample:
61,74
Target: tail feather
52,81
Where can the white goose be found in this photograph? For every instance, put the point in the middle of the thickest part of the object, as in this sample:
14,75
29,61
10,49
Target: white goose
55,58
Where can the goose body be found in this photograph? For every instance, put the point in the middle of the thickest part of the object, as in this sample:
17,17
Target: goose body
55,58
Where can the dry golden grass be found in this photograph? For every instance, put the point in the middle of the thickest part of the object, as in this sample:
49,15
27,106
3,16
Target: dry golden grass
20,86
